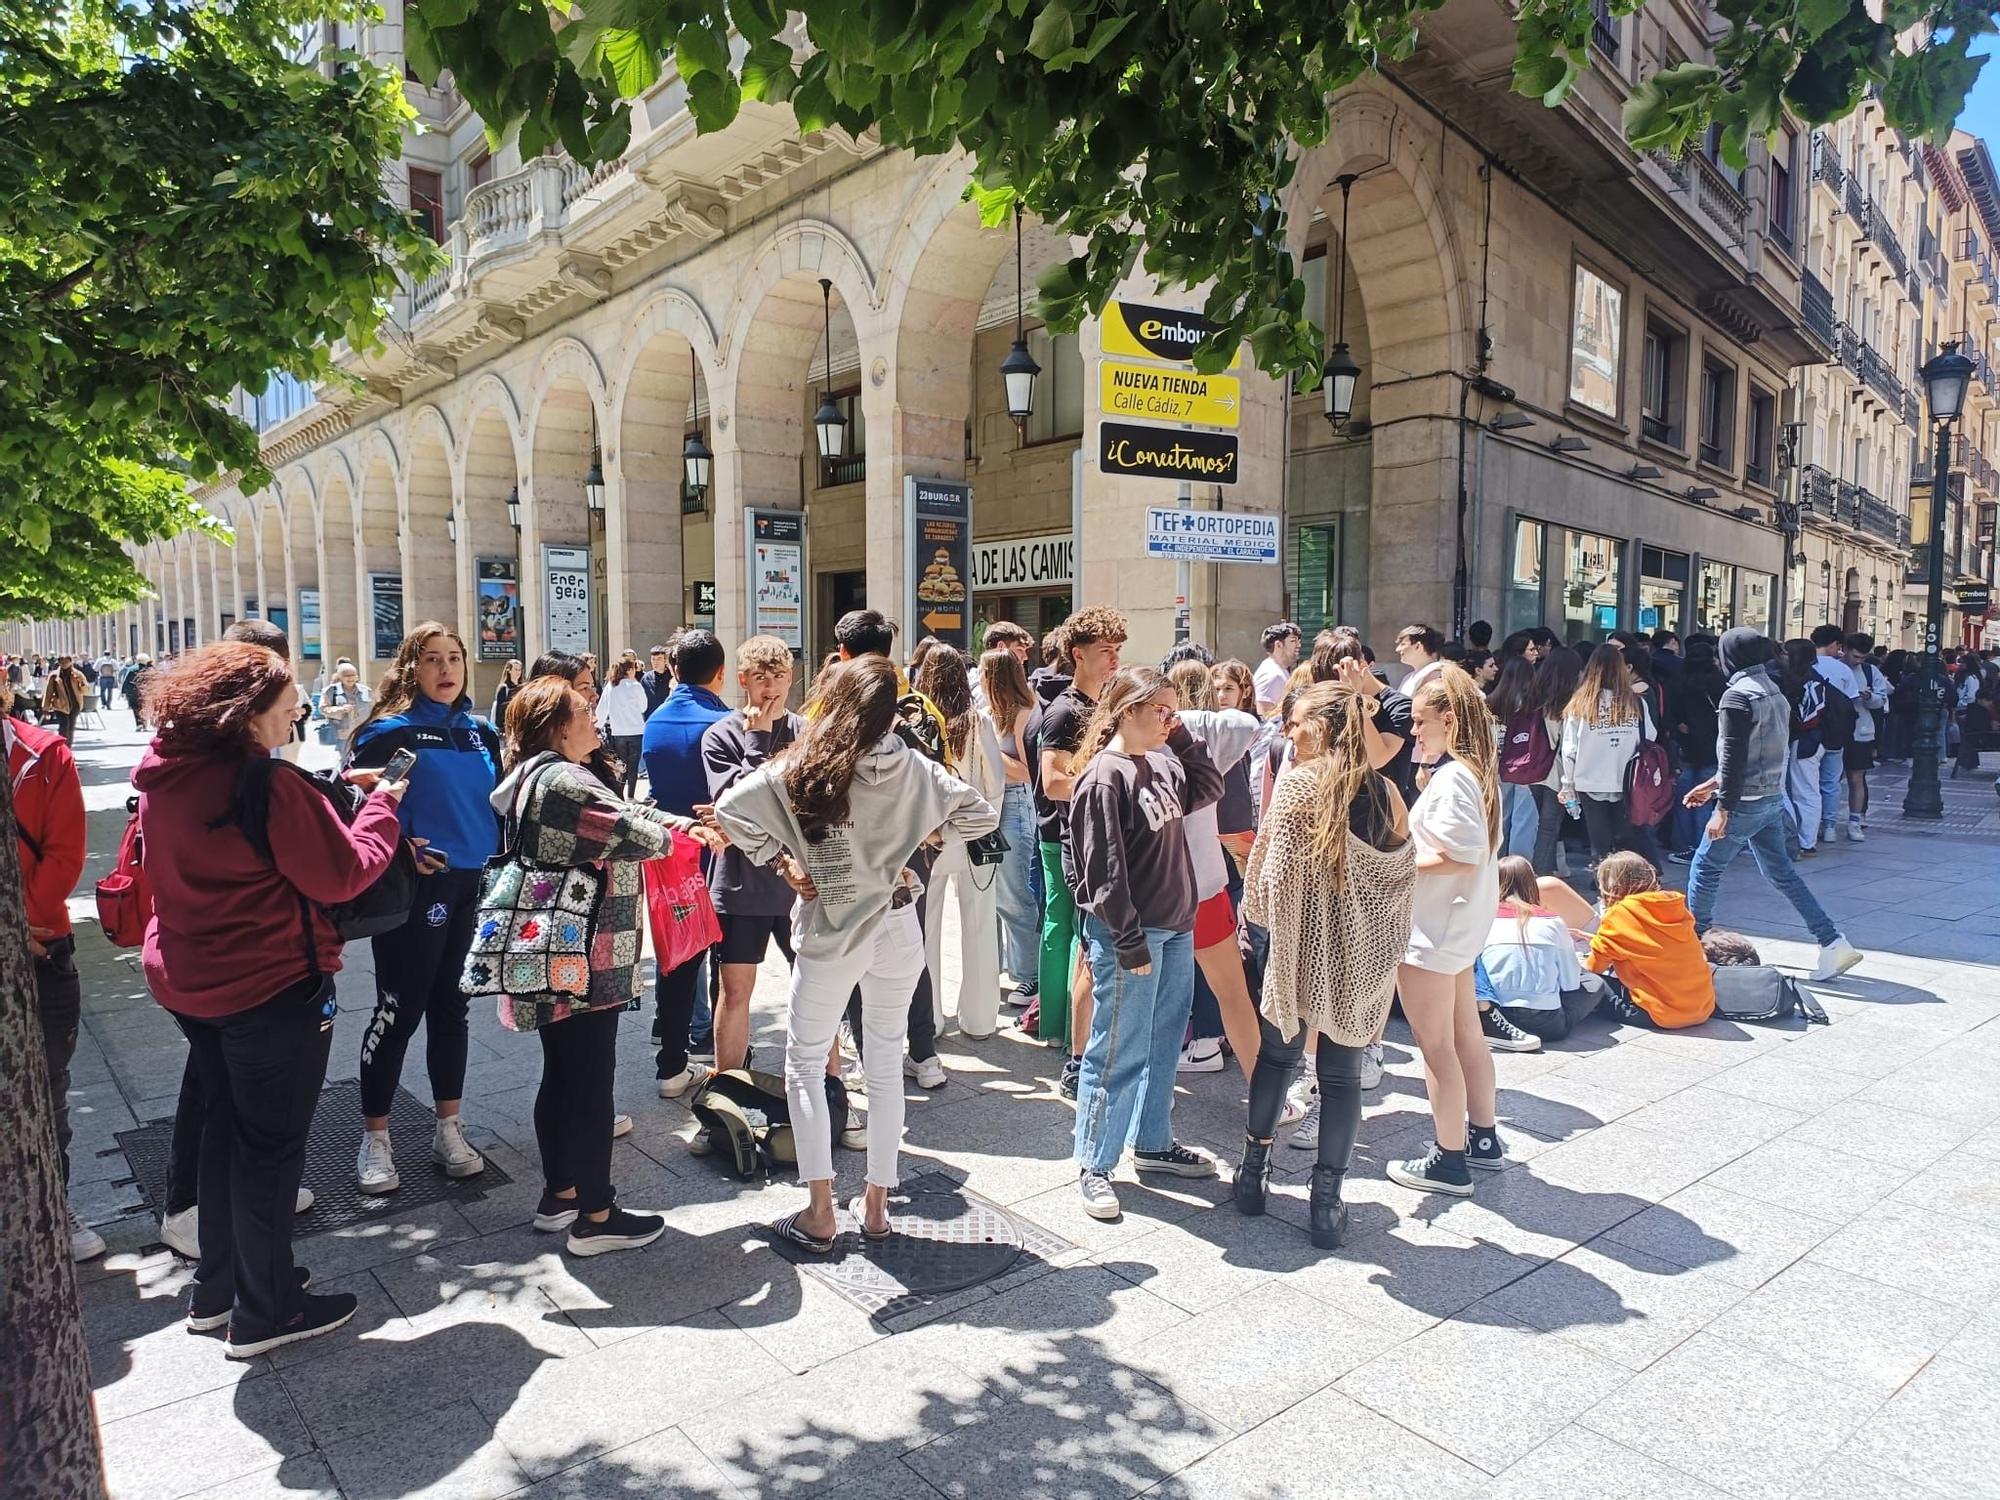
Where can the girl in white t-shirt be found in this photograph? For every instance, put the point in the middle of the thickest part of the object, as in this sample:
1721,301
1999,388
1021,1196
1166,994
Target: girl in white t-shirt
1456,828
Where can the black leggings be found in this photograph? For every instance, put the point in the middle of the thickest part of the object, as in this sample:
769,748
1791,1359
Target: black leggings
417,974
1549,817
626,748
573,1106
1609,828
1339,1091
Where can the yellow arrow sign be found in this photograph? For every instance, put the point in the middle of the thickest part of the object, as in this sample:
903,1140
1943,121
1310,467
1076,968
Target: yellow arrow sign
1152,394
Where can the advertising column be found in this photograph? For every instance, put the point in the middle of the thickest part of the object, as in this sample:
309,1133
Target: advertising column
775,584
937,523
566,588
499,607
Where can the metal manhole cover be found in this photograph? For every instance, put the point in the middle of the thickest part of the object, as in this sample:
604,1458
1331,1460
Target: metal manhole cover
336,1130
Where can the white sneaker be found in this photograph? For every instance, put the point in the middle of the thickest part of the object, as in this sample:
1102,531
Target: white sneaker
1836,958
374,1166
1100,1200
621,1125
181,1233
688,1080
85,1243
1202,1055
1371,1066
1298,1099
854,1133
301,1204
1856,833
1306,1136
452,1151
929,1073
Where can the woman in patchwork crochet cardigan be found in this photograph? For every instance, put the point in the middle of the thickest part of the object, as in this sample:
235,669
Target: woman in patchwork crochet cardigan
558,792
1326,906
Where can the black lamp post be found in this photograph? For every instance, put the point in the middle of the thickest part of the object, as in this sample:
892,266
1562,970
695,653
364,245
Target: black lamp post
1018,370
696,460
593,485
1945,379
828,423
1338,376
514,509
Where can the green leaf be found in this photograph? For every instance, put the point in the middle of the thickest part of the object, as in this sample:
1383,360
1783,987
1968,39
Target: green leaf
633,64
767,71
523,33
1054,30
700,50
1814,18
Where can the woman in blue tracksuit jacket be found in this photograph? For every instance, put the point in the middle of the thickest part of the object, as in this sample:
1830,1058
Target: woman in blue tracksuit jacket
424,706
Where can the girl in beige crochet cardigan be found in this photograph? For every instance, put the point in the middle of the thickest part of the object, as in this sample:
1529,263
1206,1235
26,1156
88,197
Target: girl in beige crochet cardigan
1326,907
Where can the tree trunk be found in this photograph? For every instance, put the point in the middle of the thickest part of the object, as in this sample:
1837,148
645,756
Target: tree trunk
48,1422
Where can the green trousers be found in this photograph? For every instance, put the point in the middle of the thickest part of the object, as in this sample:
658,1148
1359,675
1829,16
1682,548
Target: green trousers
1058,955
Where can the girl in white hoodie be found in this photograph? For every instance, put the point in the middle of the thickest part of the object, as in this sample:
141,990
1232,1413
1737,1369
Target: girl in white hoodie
849,803
1602,727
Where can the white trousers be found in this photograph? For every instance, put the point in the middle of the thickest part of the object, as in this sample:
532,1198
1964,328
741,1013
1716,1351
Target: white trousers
1802,796
886,966
978,938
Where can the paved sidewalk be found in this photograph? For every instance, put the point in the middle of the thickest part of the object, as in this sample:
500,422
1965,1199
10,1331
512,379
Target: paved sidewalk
1744,1261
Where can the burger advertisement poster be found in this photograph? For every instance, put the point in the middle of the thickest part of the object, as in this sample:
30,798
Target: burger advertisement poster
937,527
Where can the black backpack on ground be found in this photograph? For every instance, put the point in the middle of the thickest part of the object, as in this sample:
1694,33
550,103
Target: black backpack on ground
386,904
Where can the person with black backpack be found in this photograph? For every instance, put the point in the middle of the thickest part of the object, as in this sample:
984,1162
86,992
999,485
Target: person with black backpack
241,951
1839,720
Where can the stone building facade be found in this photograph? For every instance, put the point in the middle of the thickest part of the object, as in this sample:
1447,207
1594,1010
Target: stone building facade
1577,362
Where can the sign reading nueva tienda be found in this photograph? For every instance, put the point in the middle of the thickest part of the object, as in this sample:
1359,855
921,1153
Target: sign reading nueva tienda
1155,395
1145,332
937,521
1162,453
1211,535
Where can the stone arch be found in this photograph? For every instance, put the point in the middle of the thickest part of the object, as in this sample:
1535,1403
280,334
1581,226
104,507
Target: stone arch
489,473
430,557
664,372
274,582
378,549
565,419
306,590
335,531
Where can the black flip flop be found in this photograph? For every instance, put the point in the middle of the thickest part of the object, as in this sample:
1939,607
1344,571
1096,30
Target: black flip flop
875,1236
788,1230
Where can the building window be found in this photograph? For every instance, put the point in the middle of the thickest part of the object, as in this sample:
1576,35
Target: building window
479,169
1663,581
1758,457
283,397
1712,149
1718,413
1593,568
1756,611
1784,165
1662,383
1314,275
1595,338
1059,390
1715,599
850,465
1524,584
427,201
1316,588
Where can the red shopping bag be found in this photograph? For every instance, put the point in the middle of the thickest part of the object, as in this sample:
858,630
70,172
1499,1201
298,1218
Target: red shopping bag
677,904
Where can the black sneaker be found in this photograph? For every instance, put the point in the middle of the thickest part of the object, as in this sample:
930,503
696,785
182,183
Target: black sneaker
1175,1161
1502,1035
1482,1149
1432,1174
316,1315
618,1231
1072,1077
200,1322
553,1215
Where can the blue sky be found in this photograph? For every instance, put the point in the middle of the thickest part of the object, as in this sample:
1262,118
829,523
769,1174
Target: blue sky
1982,106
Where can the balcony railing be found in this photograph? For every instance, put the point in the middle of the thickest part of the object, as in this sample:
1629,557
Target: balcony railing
1879,518
1875,370
1930,255
1604,29
426,294
1816,304
1721,200
1848,346
1826,164
1884,235
1857,202
1817,492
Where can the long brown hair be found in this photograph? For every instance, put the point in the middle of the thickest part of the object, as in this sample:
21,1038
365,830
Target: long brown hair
399,684
944,677
1008,695
204,702
1192,682
1333,749
1127,689
1606,672
1454,692
854,705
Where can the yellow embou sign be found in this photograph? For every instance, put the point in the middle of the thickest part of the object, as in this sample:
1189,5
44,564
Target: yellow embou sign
1142,331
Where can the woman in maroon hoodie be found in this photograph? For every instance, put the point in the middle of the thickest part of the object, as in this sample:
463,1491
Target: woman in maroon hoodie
242,955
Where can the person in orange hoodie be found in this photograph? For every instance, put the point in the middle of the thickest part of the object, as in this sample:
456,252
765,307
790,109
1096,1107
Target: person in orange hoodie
1646,939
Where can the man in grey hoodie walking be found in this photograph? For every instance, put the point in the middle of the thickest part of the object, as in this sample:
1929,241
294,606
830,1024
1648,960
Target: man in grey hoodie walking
1754,736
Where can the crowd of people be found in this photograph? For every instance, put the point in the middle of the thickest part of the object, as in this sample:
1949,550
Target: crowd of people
1161,871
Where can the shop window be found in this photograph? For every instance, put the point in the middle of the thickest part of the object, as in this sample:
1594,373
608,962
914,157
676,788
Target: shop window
1663,581
1596,336
1761,437
1316,577
1718,413
427,201
850,465
1715,599
1663,383
1593,573
1524,583
1755,612
1059,390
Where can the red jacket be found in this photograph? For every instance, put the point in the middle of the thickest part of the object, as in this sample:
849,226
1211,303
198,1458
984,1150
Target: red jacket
228,929
48,810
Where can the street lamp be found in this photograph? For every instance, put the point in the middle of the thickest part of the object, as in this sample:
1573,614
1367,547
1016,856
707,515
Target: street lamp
514,508
1945,379
593,485
695,457
1338,375
828,423
451,528
1018,370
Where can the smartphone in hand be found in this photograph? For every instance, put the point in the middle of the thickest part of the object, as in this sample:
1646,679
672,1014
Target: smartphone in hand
400,765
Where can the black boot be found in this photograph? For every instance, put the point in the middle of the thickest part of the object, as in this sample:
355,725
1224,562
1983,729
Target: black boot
1329,1214
1253,1177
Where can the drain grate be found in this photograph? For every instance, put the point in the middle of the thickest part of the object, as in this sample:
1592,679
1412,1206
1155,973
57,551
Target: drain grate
946,1239
336,1129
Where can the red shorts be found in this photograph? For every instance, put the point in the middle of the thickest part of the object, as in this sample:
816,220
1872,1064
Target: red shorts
1214,921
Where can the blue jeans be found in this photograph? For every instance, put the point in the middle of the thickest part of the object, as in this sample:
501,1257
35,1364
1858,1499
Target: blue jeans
1832,783
1126,1091
1684,822
1760,823
1020,908
1519,819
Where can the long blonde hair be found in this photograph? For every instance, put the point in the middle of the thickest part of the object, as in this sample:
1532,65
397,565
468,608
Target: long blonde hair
1332,748
1452,691
1127,689
1605,672
399,684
